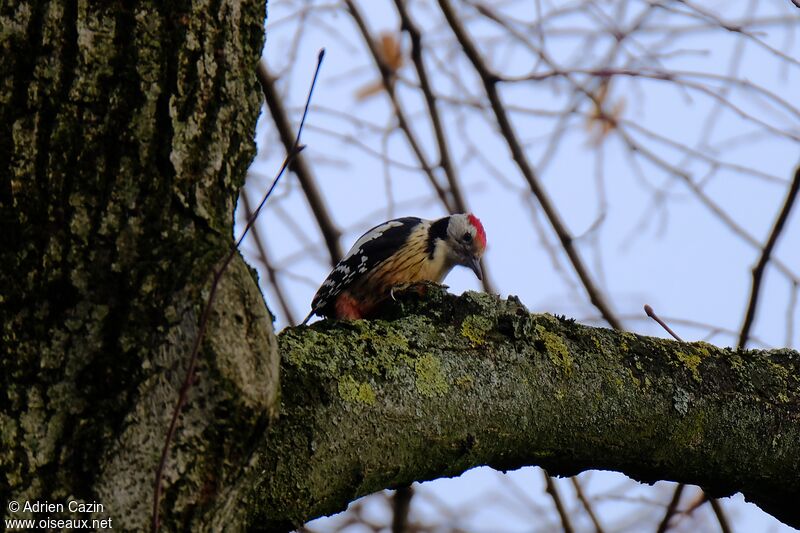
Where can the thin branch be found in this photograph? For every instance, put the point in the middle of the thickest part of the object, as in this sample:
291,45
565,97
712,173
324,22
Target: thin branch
790,307
652,314
518,153
445,161
586,504
562,512
304,174
401,503
740,30
272,274
711,329
355,142
674,77
702,196
703,498
758,271
430,101
388,80
716,506
634,125
216,275
671,508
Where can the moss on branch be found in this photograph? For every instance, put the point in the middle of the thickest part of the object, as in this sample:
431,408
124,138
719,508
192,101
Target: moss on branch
448,383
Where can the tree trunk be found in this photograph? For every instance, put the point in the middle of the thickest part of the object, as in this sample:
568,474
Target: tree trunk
129,133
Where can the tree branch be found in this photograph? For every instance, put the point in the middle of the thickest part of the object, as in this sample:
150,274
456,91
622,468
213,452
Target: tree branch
551,489
388,79
299,166
445,161
489,81
766,253
672,507
262,256
450,383
598,528
401,503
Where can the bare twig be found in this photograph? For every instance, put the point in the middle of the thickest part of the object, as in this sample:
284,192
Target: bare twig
388,79
402,505
712,330
703,197
652,314
430,101
671,508
680,78
790,308
701,499
264,258
445,161
562,512
305,176
739,29
586,504
758,271
720,514
216,276
490,80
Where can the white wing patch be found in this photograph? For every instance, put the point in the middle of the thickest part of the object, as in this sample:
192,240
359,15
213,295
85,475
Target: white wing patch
376,232
365,255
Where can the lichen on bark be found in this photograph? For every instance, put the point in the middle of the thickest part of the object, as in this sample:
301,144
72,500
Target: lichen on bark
533,389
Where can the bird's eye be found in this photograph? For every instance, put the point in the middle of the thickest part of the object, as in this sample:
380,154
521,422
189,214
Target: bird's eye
467,237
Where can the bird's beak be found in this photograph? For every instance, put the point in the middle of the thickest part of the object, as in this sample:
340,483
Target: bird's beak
475,265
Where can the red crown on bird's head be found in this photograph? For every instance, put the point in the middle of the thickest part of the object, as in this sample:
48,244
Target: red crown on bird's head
480,233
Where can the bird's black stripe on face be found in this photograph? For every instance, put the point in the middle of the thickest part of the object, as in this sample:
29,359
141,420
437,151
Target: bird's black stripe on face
438,231
353,267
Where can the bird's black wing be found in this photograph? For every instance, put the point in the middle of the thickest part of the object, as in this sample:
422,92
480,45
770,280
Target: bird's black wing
372,248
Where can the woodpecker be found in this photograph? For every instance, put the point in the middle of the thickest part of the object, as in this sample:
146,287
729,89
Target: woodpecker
400,251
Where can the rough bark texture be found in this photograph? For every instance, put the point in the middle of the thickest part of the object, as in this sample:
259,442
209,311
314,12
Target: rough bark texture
454,383
127,132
